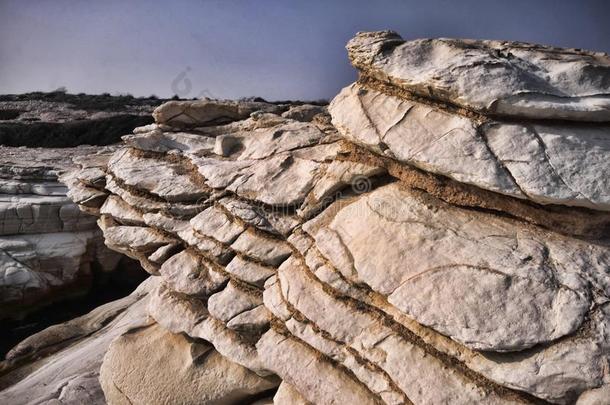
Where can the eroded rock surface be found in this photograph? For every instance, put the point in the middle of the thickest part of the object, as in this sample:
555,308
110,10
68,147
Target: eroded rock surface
505,78
48,247
414,254
61,364
545,163
176,369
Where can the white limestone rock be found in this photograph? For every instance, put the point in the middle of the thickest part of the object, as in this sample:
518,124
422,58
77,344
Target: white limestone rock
556,164
47,245
355,277
287,395
269,251
536,286
188,273
249,271
33,266
184,114
318,380
304,112
493,77
420,135
161,178
547,164
232,301
174,369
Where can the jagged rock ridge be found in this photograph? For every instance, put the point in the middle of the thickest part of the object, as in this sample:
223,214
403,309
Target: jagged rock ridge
423,249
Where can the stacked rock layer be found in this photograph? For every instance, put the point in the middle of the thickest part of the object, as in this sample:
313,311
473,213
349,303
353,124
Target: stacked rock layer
48,246
444,240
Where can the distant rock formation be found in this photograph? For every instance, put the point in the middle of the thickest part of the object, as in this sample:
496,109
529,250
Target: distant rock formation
440,237
59,120
48,247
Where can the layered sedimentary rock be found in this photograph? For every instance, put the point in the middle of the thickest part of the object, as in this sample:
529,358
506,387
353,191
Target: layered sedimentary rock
48,247
511,79
62,364
426,248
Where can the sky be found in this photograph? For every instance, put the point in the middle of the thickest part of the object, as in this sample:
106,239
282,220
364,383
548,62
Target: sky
276,49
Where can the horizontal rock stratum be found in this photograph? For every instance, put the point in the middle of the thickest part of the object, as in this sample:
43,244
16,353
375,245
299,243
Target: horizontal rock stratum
49,248
440,237
511,79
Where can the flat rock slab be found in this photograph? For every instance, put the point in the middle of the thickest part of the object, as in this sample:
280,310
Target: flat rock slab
491,77
547,164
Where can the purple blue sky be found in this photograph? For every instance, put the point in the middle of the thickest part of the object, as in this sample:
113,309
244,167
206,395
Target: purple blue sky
270,48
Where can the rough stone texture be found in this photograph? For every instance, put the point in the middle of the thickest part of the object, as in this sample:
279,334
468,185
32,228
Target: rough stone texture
48,246
207,112
492,77
173,369
547,164
287,395
418,253
514,266
305,112
61,363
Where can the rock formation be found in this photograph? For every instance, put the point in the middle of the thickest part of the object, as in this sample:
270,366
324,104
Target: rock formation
58,119
443,240
61,364
48,247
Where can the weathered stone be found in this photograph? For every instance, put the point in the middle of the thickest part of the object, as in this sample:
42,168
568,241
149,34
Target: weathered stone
188,273
287,395
161,178
493,77
33,266
173,369
249,271
215,223
184,114
517,266
121,211
319,381
495,156
47,245
379,344
232,301
272,221
428,250
61,363
555,164
135,238
267,250
158,141
252,321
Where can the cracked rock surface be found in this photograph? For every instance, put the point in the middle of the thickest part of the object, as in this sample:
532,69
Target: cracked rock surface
47,245
512,79
412,253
